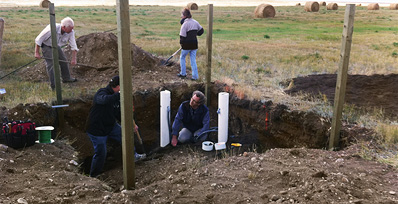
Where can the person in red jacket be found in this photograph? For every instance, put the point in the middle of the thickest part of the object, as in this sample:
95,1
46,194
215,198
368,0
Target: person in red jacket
190,28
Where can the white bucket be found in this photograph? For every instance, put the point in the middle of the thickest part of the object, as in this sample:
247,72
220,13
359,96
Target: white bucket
207,146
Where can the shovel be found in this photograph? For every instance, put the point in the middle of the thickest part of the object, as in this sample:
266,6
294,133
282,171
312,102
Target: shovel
139,138
167,63
84,65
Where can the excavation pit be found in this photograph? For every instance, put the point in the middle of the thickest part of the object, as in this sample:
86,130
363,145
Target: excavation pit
187,174
257,125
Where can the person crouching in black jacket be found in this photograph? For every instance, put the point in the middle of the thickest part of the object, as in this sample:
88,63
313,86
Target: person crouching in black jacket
102,123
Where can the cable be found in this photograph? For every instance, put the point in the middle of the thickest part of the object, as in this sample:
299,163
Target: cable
18,68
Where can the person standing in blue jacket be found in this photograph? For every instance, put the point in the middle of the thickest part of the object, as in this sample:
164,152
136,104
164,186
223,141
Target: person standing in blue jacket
194,119
102,124
190,28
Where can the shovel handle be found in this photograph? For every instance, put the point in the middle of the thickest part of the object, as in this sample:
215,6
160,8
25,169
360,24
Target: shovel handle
138,133
175,52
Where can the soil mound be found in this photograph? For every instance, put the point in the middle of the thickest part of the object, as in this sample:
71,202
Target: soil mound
98,61
367,92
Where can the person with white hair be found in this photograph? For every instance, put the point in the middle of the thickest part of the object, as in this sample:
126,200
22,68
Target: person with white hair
65,35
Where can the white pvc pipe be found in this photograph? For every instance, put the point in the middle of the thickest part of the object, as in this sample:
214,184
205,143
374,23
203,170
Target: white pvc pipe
164,118
223,107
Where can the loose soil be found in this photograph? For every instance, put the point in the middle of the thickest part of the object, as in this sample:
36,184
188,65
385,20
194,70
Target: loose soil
366,92
54,173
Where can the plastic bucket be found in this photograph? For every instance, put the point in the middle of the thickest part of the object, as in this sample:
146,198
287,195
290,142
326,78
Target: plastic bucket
44,133
207,146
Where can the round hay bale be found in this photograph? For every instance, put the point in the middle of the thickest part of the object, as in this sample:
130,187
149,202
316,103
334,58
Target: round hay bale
393,6
374,6
311,6
44,3
192,6
298,4
359,4
322,3
264,11
332,6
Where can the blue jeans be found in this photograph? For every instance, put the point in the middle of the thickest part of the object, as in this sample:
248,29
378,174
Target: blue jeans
99,143
192,56
186,136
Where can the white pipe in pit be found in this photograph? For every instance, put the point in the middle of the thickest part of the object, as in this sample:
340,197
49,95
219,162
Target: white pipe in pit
165,118
223,107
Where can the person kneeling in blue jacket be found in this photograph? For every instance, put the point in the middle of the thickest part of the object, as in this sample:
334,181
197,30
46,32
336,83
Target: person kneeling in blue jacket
193,116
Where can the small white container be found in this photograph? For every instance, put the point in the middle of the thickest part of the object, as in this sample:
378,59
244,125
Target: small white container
220,146
207,146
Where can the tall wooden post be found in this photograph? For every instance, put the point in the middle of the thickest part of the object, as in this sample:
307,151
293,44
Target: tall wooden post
341,82
54,45
1,35
126,97
209,45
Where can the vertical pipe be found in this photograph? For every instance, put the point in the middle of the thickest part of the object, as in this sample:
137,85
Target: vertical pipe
165,118
223,109
1,35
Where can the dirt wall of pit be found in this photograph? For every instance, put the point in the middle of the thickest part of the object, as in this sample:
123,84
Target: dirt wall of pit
262,123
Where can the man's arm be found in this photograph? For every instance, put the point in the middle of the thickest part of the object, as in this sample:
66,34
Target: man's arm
176,126
206,123
73,46
104,98
37,51
178,121
73,61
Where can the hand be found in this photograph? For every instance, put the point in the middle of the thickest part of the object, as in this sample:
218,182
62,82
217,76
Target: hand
136,128
174,140
37,55
73,62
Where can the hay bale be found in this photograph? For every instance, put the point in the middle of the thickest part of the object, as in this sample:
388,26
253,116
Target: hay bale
322,3
192,6
298,4
393,6
359,4
264,11
44,3
332,6
311,6
374,6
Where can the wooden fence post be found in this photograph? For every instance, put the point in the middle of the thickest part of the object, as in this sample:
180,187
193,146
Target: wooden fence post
341,82
209,45
126,92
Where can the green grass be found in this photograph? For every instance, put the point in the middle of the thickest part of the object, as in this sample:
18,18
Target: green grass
249,51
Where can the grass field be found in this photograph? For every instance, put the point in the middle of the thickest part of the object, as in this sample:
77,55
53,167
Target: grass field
248,51
256,54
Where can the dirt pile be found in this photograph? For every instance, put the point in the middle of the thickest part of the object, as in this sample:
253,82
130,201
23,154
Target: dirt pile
367,92
98,61
48,173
